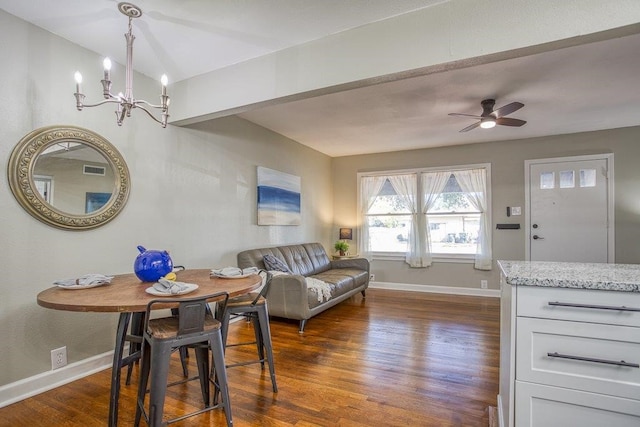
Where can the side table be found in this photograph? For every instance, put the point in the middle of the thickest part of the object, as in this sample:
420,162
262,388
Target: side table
336,257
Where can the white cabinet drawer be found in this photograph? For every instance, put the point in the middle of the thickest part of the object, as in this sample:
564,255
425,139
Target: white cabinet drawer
580,305
544,406
546,350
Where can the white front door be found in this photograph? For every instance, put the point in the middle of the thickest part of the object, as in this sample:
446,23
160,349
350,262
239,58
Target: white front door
569,209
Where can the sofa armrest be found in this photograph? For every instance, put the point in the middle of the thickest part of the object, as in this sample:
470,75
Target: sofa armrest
360,263
288,296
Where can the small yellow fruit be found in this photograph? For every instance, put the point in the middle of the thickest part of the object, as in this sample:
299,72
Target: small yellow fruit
170,276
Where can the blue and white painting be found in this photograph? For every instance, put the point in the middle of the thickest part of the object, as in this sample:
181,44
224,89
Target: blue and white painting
278,198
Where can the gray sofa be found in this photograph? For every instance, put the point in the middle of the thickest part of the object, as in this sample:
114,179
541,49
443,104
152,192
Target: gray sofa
289,296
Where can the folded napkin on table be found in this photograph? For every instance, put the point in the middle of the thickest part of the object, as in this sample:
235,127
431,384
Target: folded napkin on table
235,271
170,287
86,280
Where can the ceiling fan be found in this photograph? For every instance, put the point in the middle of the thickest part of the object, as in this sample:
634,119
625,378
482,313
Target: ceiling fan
490,117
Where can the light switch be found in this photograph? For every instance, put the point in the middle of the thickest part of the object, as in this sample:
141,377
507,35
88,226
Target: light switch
516,210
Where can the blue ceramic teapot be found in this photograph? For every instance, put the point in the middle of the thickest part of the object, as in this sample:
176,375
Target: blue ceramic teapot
151,265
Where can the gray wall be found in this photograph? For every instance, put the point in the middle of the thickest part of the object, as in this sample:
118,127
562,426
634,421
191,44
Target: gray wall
193,192
507,167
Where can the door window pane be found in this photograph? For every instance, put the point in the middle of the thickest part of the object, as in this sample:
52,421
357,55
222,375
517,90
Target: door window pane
547,180
587,177
567,179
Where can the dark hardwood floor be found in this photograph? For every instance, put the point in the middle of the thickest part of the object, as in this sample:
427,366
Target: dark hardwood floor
392,359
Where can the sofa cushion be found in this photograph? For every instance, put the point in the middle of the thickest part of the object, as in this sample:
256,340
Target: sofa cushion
306,259
343,279
318,257
273,263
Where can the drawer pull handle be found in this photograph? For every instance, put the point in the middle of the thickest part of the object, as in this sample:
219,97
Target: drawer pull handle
598,307
590,359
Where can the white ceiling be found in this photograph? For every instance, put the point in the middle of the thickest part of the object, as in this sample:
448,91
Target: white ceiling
582,88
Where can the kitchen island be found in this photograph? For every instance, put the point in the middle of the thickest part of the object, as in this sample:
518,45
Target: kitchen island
569,344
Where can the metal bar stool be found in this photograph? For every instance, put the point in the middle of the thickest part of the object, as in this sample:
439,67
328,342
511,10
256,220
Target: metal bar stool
135,340
194,326
253,306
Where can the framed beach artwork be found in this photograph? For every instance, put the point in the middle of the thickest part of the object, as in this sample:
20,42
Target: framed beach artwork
278,198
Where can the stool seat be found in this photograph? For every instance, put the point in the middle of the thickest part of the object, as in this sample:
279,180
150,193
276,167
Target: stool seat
167,327
252,298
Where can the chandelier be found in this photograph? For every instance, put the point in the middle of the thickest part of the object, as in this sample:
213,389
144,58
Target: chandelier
126,102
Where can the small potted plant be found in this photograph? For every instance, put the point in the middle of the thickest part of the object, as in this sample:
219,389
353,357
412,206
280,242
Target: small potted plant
342,247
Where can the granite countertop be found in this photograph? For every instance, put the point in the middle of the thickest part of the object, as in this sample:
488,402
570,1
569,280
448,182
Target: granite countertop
606,277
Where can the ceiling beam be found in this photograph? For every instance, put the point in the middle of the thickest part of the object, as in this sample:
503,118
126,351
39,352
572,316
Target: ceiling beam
453,34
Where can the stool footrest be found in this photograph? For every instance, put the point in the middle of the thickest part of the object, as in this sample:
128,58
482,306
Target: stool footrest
245,363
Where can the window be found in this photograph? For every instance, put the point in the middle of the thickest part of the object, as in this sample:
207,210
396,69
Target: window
427,213
454,222
389,221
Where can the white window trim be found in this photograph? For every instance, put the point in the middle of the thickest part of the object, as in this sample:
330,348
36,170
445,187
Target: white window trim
437,257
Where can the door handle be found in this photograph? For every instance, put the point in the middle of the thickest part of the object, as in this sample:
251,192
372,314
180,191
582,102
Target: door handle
536,237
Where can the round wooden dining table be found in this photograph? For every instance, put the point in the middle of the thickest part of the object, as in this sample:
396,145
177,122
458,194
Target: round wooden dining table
127,295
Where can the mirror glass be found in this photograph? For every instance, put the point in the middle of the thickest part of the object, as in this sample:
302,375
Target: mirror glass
69,177
73,178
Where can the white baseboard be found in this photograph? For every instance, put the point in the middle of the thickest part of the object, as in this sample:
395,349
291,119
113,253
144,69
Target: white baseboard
493,293
45,381
27,387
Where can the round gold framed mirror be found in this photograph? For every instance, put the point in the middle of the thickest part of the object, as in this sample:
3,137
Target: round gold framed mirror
68,177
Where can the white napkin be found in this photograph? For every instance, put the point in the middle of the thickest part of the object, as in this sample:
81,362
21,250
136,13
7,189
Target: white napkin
235,271
86,280
170,287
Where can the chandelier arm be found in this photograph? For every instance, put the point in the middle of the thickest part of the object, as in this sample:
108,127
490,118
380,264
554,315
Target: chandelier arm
149,112
106,101
137,103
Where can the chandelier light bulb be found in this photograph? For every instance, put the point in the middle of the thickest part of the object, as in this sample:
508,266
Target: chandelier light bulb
78,78
107,69
164,80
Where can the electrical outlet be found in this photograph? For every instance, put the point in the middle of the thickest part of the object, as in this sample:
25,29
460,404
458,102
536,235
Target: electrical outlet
58,357
484,284
372,277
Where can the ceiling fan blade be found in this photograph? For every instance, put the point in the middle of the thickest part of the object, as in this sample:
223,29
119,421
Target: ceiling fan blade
468,128
506,121
508,109
465,115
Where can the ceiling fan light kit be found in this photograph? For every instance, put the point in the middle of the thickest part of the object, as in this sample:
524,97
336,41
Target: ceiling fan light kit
490,117
487,123
126,102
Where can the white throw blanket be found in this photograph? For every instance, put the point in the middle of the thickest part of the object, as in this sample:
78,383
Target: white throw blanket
322,289
317,286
